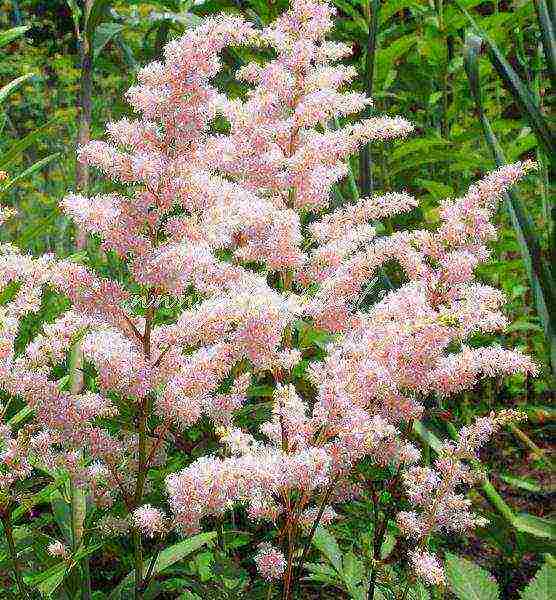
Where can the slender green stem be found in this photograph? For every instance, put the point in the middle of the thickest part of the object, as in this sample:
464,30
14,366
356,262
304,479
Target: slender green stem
142,452
269,592
150,570
371,8
138,561
78,506
8,531
312,531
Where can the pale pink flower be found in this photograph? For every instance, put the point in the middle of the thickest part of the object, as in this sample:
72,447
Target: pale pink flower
270,562
149,520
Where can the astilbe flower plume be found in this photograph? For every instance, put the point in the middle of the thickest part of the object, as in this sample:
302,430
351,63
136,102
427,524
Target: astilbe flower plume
169,227
409,345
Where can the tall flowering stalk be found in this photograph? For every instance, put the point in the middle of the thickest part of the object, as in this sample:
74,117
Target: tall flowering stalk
240,225
409,345
171,227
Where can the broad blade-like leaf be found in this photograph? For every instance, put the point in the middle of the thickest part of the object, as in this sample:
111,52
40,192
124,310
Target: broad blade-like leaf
325,542
468,581
548,36
521,94
166,558
543,585
103,34
540,276
95,17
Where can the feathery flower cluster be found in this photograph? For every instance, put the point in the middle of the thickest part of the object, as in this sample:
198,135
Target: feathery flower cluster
437,491
282,148
57,549
270,562
274,145
149,520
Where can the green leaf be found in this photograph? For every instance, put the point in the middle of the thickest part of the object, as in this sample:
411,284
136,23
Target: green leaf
95,17
437,190
34,168
20,416
536,526
103,34
75,13
521,94
387,545
542,586
468,581
8,157
548,37
185,18
48,581
9,88
62,514
165,559
353,570
420,592
356,17
539,272
322,573
325,542
8,36
522,483
41,497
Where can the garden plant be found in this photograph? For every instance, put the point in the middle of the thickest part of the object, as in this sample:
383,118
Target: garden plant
244,355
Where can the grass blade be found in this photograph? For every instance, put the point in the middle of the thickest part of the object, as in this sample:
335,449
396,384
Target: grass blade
29,171
9,88
539,272
521,94
548,37
8,36
166,558
21,145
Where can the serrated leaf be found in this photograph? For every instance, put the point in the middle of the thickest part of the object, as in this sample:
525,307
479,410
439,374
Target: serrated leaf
166,558
542,586
49,580
353,570
62,514
468,581
325,542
